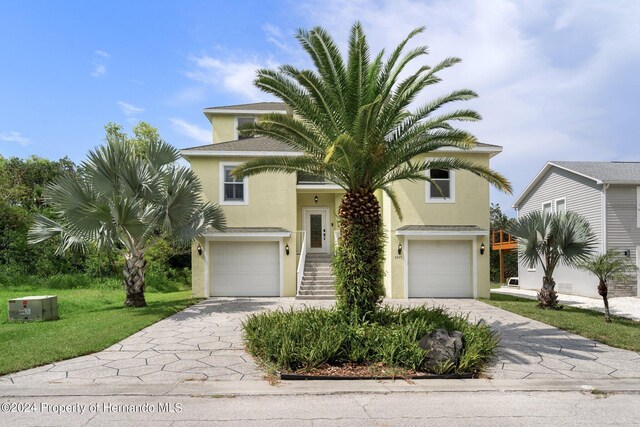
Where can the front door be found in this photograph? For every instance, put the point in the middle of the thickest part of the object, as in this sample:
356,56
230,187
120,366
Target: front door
317,230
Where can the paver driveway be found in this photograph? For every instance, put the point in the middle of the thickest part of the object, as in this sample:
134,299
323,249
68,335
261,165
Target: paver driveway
204,343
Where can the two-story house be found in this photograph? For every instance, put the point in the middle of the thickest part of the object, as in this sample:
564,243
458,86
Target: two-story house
607,194
277,223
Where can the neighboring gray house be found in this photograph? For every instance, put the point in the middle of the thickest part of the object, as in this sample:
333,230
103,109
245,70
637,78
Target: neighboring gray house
608,195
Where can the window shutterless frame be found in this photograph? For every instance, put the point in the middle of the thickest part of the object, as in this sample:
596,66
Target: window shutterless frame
226,166
432,195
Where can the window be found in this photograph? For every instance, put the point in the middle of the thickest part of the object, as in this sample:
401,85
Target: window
442,189
242,121
233,191
546,208
561,205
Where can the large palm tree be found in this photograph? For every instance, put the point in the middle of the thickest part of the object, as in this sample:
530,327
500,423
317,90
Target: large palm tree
122,197
551,240
354,121
606,267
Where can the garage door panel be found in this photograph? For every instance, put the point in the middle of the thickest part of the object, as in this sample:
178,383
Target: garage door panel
439,269
245,269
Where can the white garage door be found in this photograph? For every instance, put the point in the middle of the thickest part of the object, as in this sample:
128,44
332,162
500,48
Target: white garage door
440,269
245,269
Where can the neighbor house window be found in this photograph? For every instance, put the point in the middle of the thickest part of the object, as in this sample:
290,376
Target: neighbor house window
442,187
233,190
561,205
546,208
242,121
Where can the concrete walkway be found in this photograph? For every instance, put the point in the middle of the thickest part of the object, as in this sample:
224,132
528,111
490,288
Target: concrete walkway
204,343
627,307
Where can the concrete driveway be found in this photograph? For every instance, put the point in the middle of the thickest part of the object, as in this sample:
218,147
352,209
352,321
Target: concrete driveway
204,343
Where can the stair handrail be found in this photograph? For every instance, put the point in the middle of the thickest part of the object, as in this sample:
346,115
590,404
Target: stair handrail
301,262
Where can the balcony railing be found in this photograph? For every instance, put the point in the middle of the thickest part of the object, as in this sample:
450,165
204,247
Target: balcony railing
308,179
501,240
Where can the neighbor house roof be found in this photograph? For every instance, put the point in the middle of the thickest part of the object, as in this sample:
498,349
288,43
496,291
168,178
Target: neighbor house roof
255,107
599,172
435,230
246,147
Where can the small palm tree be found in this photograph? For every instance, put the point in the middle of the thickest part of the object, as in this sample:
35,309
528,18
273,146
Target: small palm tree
353,121
606,267
550,240
124,198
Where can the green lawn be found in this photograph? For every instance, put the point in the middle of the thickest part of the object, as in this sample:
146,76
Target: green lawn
621,333
90,320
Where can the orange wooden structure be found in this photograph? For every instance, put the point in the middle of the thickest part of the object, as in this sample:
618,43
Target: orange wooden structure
503,242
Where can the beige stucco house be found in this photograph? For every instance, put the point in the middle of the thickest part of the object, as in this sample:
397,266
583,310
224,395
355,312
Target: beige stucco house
277,223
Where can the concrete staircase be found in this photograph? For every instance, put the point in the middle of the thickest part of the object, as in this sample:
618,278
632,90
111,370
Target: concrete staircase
317,280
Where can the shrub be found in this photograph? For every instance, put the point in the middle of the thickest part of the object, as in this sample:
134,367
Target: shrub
300,340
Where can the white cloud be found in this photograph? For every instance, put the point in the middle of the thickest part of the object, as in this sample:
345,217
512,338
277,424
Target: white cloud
129,110
13,136
99,63
228,75
275,36
99,71
192,131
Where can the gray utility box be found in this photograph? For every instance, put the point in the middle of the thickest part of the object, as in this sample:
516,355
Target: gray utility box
34,308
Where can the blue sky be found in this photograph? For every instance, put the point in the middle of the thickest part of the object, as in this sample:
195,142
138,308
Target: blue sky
558,80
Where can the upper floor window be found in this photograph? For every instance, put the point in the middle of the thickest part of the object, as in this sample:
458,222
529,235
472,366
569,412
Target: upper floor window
233,190
442,187
241,121
554,206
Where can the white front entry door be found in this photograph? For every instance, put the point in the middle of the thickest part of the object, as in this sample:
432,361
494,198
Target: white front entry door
317,228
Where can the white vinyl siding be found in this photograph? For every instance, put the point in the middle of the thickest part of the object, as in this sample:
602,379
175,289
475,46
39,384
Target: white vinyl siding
622,219
581,195
439,269
247,269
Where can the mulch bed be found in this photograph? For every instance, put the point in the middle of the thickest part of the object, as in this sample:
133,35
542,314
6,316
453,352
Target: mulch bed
353,371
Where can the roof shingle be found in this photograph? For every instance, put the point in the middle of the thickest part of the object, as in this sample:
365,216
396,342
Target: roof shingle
607,172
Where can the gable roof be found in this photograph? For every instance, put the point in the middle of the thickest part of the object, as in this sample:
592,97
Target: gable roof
255,107
599,172
246,147
264,146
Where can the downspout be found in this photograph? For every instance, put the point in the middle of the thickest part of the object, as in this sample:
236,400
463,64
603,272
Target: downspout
604,217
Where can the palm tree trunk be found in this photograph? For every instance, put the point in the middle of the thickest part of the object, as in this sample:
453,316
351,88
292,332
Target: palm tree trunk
358,264
547,297
603,291
134,284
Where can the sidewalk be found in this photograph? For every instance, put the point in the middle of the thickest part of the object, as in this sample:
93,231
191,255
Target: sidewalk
628,307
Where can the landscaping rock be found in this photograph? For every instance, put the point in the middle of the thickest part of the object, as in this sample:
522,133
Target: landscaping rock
443,346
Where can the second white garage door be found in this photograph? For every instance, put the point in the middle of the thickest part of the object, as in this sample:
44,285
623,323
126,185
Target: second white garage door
245,269
439,269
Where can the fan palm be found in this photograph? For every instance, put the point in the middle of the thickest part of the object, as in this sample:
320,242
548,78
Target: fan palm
121,198
606,267
551,240
352,119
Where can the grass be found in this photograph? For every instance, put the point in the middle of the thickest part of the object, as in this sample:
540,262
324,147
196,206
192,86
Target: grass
303,340
92,317
620,333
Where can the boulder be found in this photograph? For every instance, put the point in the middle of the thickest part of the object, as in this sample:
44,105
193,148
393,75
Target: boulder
442,346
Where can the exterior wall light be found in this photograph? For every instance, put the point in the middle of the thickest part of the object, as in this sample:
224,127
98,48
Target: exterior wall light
315,199
199,249
482,249
286,249
399,248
